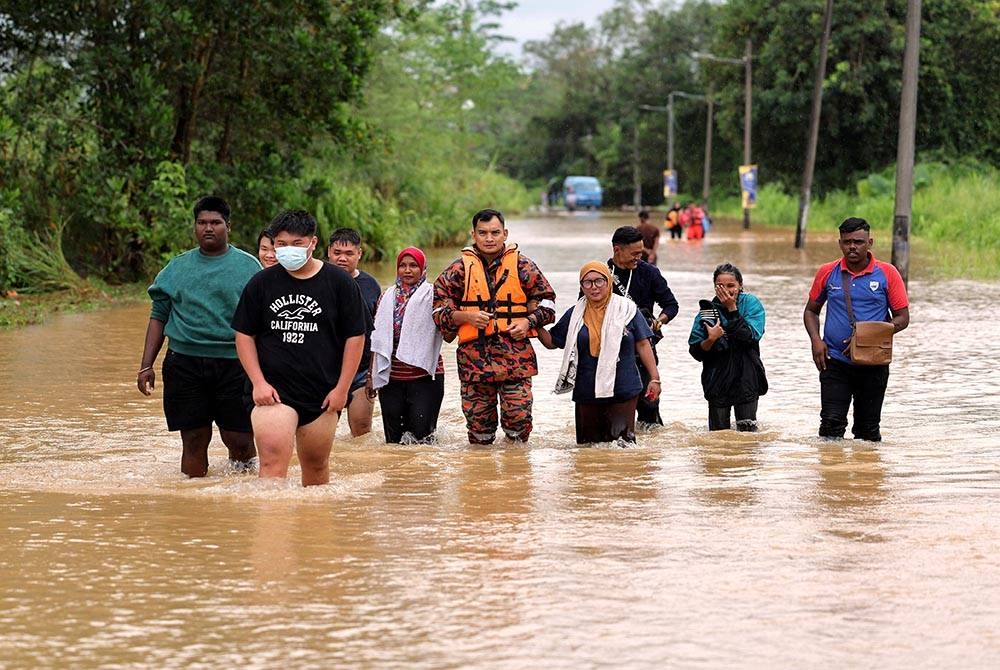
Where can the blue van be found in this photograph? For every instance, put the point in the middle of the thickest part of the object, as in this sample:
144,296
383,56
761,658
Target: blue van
581,191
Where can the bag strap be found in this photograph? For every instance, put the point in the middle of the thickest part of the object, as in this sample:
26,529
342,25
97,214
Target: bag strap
845,282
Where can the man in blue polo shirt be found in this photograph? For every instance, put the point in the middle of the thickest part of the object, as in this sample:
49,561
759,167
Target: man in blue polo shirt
877,294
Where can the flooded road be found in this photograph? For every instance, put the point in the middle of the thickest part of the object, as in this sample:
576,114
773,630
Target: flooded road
692,550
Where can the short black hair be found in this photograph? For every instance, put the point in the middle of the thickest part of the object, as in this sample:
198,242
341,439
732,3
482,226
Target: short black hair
212,203
854,223
626,235
265,233
728,269
486,215
295,221
348,235
644,215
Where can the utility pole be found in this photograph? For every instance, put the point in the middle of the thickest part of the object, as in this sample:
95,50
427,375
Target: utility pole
636,176
669,109
905,147
747,110
706,188
814,114
746,62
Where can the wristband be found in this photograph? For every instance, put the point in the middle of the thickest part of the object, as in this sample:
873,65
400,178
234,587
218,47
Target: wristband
146,369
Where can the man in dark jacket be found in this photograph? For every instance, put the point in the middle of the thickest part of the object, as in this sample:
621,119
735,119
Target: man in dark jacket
641,282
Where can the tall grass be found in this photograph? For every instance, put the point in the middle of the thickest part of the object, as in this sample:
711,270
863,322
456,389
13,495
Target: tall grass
956,210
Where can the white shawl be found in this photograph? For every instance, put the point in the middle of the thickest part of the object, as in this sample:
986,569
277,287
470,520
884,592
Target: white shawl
419,338
619,312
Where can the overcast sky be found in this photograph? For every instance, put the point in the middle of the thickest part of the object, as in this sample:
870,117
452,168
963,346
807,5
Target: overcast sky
535,19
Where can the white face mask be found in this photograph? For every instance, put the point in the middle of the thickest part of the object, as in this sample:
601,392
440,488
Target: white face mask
292,258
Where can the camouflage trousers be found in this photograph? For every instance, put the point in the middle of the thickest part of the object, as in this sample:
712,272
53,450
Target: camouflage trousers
479,404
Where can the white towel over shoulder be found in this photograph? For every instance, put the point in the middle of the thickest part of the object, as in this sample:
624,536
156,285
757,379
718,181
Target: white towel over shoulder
419,338
617,315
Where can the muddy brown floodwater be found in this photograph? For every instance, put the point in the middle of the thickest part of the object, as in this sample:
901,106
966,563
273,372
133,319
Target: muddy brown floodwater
692,550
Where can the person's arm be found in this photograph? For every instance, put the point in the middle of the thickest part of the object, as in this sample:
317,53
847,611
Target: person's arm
645,352
246,350
541,297
146,378
901,318
336,400
810,318
449,288
545,338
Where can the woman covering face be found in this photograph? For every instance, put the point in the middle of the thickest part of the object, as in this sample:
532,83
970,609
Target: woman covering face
605,338
725,337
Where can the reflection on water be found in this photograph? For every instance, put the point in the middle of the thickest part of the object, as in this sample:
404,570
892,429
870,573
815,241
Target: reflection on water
694,549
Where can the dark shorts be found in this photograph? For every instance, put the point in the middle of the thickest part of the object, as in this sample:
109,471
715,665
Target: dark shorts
199,391
306,414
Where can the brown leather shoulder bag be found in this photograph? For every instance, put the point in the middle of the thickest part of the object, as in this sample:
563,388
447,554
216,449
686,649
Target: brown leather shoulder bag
870,342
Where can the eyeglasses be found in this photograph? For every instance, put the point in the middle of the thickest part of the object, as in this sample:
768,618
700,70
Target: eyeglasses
600,282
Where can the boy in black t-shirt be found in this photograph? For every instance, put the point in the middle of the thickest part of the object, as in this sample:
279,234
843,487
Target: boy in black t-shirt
300,331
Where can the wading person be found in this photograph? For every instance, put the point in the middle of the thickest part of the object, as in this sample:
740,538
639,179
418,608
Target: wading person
265,249
407,368
877,293
300,331
673,221
603,335
726,337
344,251
194,298
492,299
643,284
650,238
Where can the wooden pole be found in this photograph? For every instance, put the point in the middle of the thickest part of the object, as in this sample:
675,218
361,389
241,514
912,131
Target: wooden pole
905,147
814,114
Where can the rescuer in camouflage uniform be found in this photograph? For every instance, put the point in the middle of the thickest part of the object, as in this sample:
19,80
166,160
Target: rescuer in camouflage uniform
492,299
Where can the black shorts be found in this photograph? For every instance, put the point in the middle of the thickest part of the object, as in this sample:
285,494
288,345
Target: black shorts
306,414
198,391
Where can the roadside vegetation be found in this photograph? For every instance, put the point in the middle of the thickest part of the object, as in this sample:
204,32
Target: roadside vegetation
956,208
402,117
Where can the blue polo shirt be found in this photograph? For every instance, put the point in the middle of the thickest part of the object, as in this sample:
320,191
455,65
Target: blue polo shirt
876,292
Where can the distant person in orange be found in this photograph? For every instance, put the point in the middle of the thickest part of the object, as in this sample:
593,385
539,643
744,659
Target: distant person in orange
695,230
673,222
650,238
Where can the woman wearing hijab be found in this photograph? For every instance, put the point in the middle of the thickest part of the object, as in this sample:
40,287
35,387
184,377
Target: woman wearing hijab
725,337
407,369
603,335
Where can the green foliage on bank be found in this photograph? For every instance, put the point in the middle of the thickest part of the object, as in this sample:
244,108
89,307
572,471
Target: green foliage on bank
955,213
115,118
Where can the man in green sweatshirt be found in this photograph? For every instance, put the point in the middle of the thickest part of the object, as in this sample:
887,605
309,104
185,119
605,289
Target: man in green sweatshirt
194,298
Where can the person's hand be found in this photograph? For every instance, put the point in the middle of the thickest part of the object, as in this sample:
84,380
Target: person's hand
653,390
820,353
146,381
714,330
519,329
478,319
265,394
336,400
370,391
727,297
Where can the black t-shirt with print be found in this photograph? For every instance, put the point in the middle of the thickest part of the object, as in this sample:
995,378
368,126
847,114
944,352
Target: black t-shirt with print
300,326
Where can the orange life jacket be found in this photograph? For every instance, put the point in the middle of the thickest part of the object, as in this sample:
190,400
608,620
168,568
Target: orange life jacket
506,301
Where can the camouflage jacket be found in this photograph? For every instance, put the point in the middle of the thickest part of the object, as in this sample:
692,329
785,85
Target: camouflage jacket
498,357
